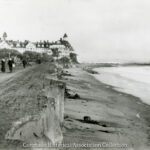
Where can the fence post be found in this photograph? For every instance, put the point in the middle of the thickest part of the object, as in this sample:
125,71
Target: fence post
56,89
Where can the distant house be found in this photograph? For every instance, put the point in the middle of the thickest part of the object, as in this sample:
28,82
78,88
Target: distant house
5,45
31,47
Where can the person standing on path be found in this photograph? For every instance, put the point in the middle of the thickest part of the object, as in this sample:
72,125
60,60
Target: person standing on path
24,62
3,65
10,64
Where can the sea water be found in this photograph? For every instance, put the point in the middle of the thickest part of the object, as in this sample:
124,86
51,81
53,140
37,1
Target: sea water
134,80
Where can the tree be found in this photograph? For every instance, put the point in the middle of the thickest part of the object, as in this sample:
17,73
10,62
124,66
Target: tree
4,35
73,57
55,52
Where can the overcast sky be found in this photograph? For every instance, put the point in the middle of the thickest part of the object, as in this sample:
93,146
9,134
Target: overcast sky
99,30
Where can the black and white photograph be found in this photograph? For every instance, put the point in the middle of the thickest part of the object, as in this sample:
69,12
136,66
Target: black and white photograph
74,74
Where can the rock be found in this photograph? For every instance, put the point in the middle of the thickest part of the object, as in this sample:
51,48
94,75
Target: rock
89,70
87,118
71,94
66,73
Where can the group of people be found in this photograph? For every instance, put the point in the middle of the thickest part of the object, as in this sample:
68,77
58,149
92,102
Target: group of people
11,64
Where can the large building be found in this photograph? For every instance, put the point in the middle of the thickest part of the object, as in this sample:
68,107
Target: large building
62,46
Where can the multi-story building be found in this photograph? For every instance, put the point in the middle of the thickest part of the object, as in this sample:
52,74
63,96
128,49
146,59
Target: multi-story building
41,47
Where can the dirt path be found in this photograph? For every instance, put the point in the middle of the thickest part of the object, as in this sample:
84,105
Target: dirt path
7,76
18,98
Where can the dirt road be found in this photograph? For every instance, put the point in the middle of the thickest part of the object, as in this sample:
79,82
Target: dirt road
18,97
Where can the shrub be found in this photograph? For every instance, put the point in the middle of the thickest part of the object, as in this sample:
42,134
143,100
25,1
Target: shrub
9,52
37,57
73,57
65,61
31,56
46,58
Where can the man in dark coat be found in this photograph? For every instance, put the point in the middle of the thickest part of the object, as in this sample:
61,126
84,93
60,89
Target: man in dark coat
3,67
24,62
10,64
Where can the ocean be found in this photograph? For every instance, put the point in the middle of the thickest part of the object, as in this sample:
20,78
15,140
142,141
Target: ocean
134,80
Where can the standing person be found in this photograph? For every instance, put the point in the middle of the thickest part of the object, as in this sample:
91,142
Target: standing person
13,63
10,64
3,67
24,62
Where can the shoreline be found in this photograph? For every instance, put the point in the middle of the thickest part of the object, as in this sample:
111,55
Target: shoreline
126,89
115,90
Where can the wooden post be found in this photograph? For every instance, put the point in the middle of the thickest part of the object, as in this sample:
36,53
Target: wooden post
56,89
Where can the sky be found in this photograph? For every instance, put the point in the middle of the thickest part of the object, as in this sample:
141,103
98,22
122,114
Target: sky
99,30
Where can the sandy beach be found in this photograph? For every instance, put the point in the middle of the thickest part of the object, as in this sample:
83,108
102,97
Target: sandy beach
121,118
116,117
